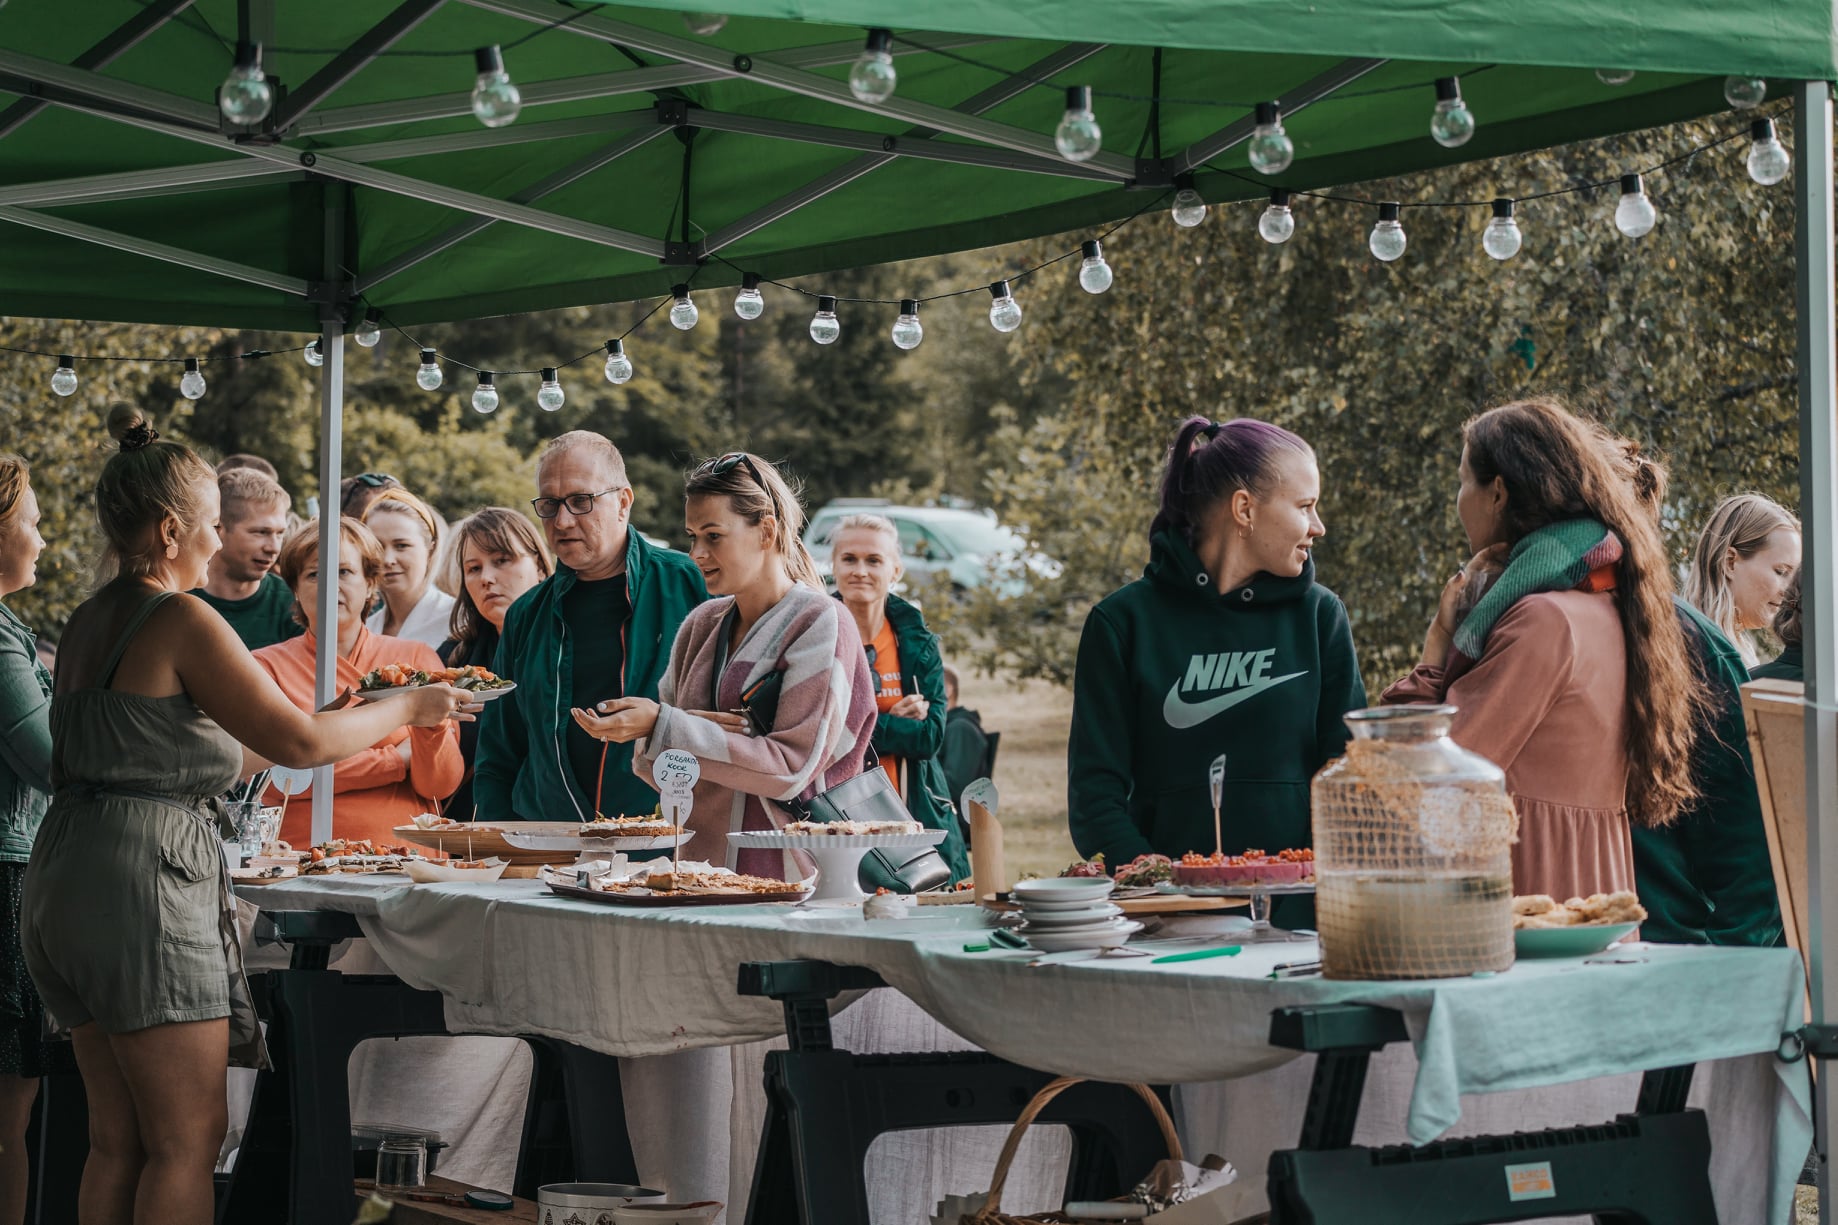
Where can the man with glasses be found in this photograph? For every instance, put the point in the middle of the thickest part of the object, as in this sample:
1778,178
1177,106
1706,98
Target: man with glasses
599,628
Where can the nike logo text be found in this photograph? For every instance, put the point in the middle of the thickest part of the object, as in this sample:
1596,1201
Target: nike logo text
1181,714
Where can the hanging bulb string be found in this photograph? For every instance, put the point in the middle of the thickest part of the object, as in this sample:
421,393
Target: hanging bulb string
245,355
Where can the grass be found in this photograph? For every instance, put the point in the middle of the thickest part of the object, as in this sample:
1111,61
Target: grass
1034,718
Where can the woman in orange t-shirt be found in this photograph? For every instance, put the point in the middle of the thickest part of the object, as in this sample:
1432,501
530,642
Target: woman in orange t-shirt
405,773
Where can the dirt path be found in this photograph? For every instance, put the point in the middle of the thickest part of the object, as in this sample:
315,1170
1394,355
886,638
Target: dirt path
1034,718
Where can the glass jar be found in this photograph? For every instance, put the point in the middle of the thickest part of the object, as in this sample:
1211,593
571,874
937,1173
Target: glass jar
402,1162
1413,852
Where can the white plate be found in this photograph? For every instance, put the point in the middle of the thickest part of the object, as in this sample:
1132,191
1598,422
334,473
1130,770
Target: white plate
1082,917
1108,937
1104,924
480,695
590,844
1234,890
1084,889
1034,905
772,840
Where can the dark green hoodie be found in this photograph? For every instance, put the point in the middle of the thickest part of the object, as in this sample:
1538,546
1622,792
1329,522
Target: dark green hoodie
1172,673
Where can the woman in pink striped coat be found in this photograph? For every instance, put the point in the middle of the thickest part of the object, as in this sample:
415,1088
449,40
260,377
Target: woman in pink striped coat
767,616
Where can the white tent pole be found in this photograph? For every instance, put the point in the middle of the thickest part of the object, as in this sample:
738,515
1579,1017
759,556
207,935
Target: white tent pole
331,446
1818,378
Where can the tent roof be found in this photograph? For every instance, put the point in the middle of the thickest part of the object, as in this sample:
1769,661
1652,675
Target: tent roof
643,149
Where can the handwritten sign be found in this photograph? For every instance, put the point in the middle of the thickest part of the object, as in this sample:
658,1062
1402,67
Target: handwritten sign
982,791
675,772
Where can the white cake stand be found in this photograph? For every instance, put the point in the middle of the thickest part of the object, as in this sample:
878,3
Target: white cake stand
1261,931
838,856
590,847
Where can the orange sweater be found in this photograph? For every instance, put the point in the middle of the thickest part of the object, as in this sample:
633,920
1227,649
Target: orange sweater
375,790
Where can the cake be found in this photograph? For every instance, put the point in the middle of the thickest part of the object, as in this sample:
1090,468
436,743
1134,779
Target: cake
1287,867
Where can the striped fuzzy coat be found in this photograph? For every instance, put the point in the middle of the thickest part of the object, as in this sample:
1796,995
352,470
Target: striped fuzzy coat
825,718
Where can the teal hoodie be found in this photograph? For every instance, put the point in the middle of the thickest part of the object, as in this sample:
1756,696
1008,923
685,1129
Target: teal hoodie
1172,673
522,769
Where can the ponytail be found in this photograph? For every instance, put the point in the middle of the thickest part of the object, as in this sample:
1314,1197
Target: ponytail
1210,461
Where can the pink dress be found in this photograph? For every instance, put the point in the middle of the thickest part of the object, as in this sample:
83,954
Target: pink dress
1547,703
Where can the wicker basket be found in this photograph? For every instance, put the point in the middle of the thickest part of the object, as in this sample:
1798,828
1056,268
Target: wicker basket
991,1212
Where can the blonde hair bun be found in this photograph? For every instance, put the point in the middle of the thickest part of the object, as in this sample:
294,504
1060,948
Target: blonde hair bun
122,419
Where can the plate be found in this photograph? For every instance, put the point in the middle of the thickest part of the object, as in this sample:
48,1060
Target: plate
482,695
1082,917
792,894
1037,905
1234,890
1083,889
1107,937
772,840
1578,941
588,844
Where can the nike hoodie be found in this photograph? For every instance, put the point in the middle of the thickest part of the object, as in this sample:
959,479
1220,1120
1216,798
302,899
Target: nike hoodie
1171,674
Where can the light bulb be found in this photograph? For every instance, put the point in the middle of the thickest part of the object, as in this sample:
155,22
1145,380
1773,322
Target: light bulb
64,378
369,331
1189,210
314,353
1095,275
1614,76
1004,311
485,397
1078,137
907,331
704,24
1387,240
748,303
825,327
1635,214
618,365
428,377
1451,123
550,396
873,77
192,385
1270,149
495,101
1277,222
1501,238
683,312
245,98
1744,93
1768,159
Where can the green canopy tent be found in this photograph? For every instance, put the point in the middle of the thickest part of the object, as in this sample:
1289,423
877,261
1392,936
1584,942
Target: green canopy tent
647,154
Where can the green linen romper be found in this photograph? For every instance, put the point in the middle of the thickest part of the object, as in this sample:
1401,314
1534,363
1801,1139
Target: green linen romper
128,918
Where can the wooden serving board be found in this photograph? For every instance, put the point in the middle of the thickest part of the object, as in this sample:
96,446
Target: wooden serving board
1136,907
486,839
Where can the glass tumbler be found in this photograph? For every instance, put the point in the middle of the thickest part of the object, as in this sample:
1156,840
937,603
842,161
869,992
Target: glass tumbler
402,1162
247,818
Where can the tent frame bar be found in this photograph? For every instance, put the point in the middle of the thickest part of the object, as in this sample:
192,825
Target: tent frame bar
295,104
50,81
133,183
156,250
124,37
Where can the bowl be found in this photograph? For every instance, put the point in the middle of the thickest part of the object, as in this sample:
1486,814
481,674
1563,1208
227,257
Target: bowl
1581,940
594,1202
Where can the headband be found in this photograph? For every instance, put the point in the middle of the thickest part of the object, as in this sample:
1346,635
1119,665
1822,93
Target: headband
409,502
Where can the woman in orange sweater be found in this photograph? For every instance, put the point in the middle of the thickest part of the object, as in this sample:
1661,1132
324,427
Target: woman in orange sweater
406,772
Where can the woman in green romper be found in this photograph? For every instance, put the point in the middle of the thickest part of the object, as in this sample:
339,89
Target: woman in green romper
128,920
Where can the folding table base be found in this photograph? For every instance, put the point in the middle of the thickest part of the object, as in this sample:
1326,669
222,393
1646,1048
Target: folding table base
1651,1167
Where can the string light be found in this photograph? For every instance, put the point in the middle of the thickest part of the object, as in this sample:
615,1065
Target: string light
1078,137
1095,275
313,354
1768,160
1388,239
705,24
683,312
1451,123
1501,238
825,327
191,386
64,378
618,365
485,397
1277,222
246,97
1635,215
907,330
370,331
748,303
550,395
1744,93
1189,209
495,101
1004,311
1270,149
1614,76
429,376
873,77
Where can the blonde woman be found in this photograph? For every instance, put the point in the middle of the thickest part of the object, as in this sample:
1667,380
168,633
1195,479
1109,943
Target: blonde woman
413,607
1744,559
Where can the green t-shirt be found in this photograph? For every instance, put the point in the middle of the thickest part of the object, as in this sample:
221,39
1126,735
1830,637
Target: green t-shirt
265,618
595,614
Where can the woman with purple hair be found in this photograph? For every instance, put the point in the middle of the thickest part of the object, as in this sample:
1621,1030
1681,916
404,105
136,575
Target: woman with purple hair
1226,644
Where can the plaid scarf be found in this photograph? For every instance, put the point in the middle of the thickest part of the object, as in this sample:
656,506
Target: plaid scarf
1559,557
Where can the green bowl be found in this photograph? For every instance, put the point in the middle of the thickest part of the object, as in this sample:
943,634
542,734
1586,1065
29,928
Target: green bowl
1568,941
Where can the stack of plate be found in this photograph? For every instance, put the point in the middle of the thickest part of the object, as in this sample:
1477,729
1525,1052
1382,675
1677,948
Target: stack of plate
1071,912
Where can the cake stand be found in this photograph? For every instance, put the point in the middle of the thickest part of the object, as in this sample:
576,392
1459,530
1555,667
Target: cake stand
590,847
1259,894
838,856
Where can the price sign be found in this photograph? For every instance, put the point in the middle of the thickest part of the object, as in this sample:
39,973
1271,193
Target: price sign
675,772
289,781
982,791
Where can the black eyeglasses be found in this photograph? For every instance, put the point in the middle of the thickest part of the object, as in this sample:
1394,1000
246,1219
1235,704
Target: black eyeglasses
577,503
736,459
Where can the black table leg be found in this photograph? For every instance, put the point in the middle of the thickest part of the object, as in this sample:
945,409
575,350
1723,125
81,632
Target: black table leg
574,1128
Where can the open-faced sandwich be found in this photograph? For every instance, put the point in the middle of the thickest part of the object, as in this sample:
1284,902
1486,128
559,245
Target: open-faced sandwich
401,676
647,826
1598,909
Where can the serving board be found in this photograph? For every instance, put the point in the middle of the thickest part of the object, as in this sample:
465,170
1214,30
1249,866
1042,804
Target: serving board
674,899
1136,907
485,840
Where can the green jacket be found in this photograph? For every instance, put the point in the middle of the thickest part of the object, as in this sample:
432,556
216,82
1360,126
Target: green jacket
919,741
522,771
1707,878
1172,673
25,739
1789,665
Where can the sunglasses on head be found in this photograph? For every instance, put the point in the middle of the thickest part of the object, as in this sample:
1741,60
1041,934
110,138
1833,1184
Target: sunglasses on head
368,480
739,459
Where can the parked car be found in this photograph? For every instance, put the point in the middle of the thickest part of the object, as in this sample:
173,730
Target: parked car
953,542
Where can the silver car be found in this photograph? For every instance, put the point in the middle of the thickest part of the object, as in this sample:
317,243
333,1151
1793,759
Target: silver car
954,543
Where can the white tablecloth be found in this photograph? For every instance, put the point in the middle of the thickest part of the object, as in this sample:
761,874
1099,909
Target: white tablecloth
512,958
